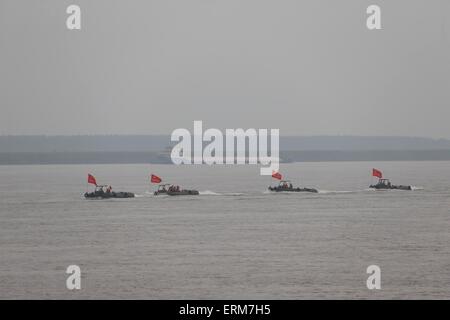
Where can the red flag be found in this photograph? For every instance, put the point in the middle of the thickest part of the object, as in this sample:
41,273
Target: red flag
91,179
155,179
277,175
377,173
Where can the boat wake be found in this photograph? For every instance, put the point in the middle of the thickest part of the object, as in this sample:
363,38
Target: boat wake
139,195
209,193
231,194
228,194
335,191
234,194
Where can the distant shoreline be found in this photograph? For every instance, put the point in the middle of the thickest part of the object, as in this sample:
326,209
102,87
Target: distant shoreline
156,149
153,157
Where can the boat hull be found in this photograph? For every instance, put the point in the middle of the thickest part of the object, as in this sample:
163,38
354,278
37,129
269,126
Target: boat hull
183,193
391,187
109,195
279,189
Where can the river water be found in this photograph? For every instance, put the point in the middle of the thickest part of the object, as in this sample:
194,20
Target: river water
233,241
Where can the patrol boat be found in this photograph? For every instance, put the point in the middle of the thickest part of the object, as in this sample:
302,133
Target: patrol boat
385,184
105,192
173,190
286,186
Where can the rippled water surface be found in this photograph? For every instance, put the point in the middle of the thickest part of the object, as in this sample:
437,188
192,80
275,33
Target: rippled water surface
235,240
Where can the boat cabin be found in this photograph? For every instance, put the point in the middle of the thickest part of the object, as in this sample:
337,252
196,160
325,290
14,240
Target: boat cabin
103,189
385,182
163,187
285,184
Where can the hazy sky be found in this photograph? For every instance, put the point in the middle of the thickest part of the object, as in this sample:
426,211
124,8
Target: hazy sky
305,67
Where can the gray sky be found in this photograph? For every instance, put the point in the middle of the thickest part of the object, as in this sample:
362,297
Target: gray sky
305,67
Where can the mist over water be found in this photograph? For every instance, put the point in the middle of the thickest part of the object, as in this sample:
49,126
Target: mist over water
235,240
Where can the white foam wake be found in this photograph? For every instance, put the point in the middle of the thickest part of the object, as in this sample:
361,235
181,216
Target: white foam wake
209,193
334,191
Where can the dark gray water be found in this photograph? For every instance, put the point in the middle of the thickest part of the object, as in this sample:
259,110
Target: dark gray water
235,240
